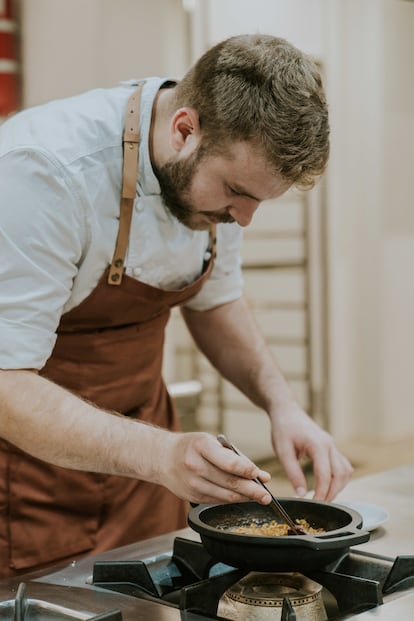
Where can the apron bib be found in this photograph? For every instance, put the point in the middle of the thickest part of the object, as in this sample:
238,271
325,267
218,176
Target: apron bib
109,351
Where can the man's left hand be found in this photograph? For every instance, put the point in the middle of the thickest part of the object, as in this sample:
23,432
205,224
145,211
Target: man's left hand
296,436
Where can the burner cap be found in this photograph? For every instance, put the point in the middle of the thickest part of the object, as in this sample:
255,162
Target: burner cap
269,589
258,595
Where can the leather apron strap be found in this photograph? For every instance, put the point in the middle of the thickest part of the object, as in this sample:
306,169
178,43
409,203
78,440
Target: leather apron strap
131,142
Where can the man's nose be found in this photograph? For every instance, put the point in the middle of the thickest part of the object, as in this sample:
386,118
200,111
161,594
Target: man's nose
243,211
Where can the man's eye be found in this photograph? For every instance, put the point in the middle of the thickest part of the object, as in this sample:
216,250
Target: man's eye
233,191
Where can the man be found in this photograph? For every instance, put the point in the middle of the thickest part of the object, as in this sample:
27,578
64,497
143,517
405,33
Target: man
91,457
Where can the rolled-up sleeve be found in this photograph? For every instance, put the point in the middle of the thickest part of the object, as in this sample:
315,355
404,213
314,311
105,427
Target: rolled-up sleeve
225,283
40,247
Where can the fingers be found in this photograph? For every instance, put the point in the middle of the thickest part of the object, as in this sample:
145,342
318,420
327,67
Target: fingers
293,469
206,472
202,490
228,461
332,473
230,475
331,469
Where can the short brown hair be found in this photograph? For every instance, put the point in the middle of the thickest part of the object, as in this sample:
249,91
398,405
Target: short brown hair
262,89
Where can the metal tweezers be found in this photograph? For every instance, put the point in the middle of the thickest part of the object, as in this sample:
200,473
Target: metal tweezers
275,504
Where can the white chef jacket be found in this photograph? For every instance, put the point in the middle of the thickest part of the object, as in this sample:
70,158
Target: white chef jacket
60,185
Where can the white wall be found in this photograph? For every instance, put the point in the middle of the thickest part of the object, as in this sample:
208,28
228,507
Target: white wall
296,20
71,46
355,81
398,250
369,63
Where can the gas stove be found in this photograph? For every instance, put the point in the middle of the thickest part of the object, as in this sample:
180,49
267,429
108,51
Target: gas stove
173,577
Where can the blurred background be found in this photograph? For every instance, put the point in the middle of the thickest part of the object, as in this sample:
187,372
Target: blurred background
330,272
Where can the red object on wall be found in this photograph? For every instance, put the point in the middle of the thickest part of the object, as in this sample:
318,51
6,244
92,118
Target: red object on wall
9,66
6,8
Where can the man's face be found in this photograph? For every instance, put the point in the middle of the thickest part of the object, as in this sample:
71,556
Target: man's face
205,188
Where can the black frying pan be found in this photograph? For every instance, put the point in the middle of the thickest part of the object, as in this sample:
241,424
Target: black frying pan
286,553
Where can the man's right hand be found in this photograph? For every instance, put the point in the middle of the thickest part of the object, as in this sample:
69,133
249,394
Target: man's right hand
196,467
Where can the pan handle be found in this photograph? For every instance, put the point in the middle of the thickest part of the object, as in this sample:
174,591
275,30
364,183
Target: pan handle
331,540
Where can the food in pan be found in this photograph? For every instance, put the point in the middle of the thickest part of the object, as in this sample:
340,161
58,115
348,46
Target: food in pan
273,528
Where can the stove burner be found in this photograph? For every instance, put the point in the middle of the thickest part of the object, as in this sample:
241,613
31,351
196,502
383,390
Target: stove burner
261,596
23,608
191,580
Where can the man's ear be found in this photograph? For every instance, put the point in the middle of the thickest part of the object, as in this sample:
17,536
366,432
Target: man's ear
185,130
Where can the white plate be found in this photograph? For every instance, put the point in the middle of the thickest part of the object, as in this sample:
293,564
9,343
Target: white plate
372,515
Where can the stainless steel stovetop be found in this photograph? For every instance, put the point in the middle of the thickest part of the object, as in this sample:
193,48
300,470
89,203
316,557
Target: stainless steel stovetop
68,593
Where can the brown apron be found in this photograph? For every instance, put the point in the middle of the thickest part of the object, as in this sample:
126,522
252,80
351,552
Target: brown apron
109,351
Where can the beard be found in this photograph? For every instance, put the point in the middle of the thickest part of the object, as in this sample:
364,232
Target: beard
175,179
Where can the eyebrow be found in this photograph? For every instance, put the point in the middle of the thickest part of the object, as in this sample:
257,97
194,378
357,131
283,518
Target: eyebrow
240,190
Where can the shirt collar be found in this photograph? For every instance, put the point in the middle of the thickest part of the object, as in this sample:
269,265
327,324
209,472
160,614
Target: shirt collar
147,181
